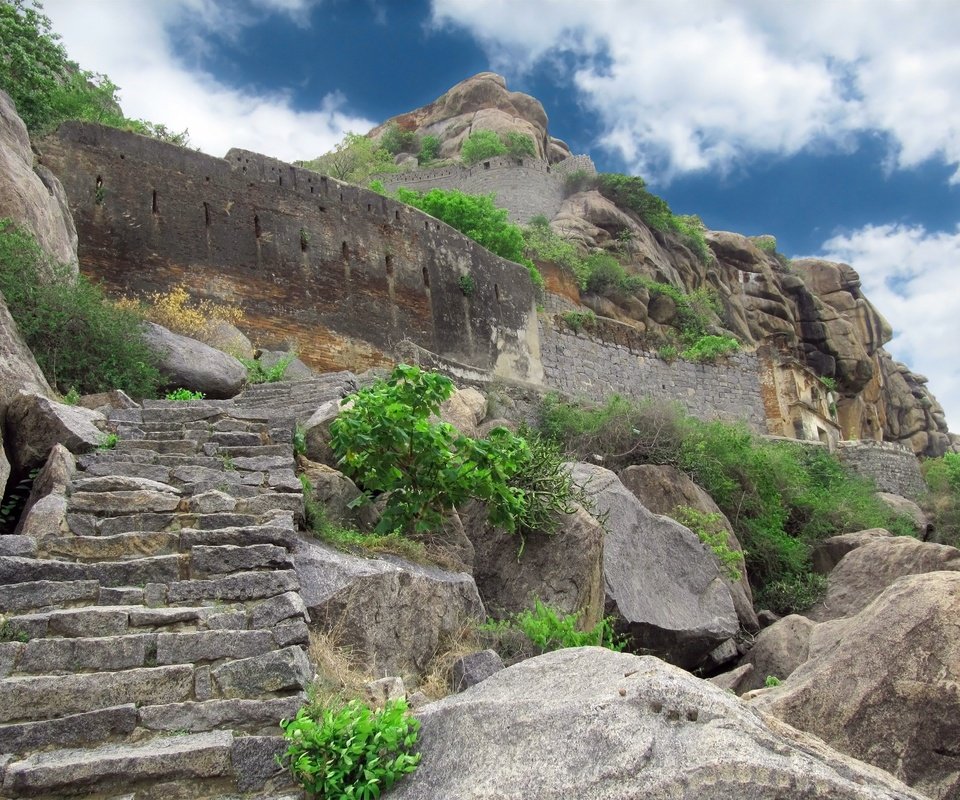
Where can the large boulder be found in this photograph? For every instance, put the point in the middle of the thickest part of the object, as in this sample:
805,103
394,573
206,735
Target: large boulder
777,651
864,573
906,507
663,489
194,365
886,689
395,615
316,432
334,491
45,512
660,581
590,723
828,552
563,570
34,424
31,196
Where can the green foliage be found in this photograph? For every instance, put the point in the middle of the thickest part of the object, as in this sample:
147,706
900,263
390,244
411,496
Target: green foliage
793,594
543,243
549,630
354,159
520,145
478,217
47,87
943,502
14,501
466,284
184,395
829,383
766,243
378,187
578,320
80,340
257,372
480,145
771,680
710,348
711,531
108,441
349,752
299,440
429,149
72,397
397,140
579,181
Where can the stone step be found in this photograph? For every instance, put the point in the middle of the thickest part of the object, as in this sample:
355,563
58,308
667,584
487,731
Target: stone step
182,414
112,504
89,525
155,569
240,586
88,727
214,561
120,547
118,483
266,450
44,595
276,534
46,696
101,653
130,469
72,772
184,447
195,717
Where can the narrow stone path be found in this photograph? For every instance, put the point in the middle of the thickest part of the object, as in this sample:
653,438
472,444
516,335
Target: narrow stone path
154,641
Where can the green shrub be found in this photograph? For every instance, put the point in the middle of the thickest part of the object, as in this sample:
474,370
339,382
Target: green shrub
710,530
378,187
429,149
771,681
550,630
543,243
578,320
354,159
710,348
943,502
480,145
257,372
397,140
520,145
349,752
80,340
477,217
184,395
579,181
466,284
793,594
108,441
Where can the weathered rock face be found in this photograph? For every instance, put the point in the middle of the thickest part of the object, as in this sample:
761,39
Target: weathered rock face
32,197
662,489
194,365
480,103
393,614
882,685
564,571
865,572
777,651
828,552
34,424
660,581
589,723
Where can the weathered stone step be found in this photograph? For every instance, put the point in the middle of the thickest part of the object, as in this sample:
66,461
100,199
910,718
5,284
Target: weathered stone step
130,469
120,547
101,653
42,595
280,535
194,717
119,483
241,586
69,731
89,525
46,696
207,561
81,771
180,414
163,446
155,569
111,504
258,451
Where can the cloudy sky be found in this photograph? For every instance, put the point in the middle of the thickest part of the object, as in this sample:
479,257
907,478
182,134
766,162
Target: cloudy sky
832,124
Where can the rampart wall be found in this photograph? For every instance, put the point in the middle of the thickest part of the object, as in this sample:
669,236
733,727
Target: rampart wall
891,466
525,188
345,272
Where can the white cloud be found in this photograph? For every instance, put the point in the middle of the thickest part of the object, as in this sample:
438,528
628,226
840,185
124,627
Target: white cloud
685,86
910,273
133,43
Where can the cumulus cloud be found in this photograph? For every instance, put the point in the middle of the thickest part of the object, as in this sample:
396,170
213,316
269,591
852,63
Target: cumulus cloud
136,44
910,273
681,87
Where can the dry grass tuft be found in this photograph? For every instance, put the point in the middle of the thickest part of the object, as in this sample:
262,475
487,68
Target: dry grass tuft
339,677
437,679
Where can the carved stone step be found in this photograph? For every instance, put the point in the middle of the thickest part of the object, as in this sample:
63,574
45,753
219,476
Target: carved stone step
69,731
234,714
17,598
156,569
78,772
89,525
130,469
255,451
107,653
241,586
273,533
167,446
111,504
122,547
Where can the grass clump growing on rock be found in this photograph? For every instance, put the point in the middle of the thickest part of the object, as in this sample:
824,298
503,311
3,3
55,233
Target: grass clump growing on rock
80,340
548,629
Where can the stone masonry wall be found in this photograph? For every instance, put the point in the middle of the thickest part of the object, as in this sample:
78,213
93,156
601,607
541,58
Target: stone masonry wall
891,466
591,366
346,273
525,189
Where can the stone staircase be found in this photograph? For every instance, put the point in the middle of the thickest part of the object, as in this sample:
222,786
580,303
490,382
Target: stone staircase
153,642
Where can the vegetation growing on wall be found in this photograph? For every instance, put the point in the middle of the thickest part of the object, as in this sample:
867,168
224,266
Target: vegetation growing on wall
354,160
80,340
480,145
477,217
780,498
48,88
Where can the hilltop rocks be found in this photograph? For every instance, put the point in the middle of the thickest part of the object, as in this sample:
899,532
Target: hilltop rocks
589,723
394,614
865,572
32,197
660,581
194,365
882,685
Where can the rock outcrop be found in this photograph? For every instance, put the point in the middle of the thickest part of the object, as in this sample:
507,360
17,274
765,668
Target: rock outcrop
882,685
589,723
189,364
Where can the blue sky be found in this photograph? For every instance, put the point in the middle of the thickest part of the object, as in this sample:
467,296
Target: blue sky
832,124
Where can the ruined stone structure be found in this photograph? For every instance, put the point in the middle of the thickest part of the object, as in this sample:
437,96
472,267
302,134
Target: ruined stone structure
344,272
525,187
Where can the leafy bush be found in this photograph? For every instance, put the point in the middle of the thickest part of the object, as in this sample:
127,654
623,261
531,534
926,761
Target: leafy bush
520,145
771,681
354,159
257,372
478,217
480,145
397,140
349,752
710,348
177,311
579,181
793,594
578,320
710,530
429,149
80,340
543,243
184,395
550,630
943,502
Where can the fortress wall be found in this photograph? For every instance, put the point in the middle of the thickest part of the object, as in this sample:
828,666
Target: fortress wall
891,466
345,272
596,364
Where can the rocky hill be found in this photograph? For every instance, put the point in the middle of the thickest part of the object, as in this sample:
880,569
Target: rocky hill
811,310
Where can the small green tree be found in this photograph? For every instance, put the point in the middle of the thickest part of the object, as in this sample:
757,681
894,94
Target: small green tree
354,159
480,145
520,145
397,140
429,149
